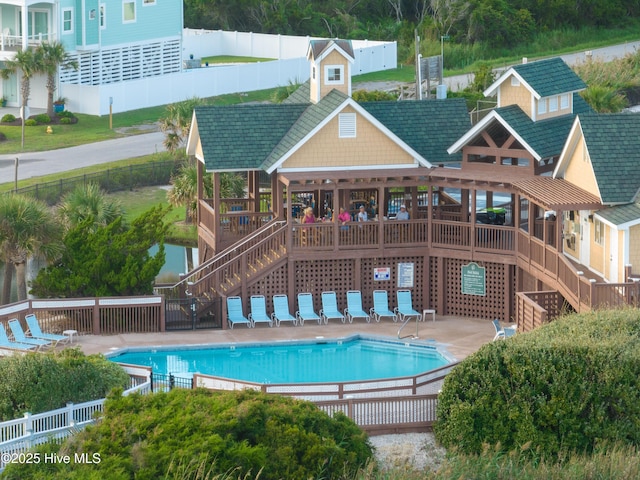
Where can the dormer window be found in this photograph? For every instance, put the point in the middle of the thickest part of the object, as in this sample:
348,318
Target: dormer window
542,106
553,104
334,74
564,101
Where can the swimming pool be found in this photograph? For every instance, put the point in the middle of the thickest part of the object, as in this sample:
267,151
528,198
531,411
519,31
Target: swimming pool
341,360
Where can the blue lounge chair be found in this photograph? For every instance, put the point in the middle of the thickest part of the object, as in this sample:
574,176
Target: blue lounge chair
5,343
20,337
281,310
36,332
259,311
354,307
381,306
503,332
330,307
405,306
234,312
305,309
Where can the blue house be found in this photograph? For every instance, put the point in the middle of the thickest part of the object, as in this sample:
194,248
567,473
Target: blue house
112,41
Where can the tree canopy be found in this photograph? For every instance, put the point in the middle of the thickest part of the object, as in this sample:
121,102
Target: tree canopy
497,22
241,434
107,260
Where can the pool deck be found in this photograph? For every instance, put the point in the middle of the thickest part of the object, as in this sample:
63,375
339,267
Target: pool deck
459,336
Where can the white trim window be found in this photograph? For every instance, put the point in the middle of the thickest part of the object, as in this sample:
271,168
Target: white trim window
128,11
542,106
334,75
598,232
553,104
347,125
102,9
67,20
564,101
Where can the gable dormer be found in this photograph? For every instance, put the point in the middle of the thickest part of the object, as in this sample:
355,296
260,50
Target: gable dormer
542,89
330,63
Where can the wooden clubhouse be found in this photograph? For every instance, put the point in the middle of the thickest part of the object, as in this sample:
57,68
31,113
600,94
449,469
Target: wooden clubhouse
520,195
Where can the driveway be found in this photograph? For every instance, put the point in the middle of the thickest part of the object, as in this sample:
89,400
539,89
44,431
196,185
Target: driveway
35,164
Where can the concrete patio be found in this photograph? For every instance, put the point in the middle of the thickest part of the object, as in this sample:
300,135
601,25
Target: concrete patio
459,336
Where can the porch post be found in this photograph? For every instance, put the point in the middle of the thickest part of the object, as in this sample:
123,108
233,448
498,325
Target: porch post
429,214
216,211
381,199
276,197
472,220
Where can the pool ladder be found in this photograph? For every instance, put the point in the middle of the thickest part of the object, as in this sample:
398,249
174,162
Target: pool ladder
407,320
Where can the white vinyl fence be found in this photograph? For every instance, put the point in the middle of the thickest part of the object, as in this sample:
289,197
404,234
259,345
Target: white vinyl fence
18,436
286,63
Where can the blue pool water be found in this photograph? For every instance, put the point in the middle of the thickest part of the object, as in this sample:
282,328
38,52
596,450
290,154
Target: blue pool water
322,361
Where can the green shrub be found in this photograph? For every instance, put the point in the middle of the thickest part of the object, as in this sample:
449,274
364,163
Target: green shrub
247,433
65,114
30,122
43,119
562,388
38,382
8,118
66,121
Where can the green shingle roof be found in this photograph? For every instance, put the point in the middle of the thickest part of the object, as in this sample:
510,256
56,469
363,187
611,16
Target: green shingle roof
309,119
251,137
545,137
550,77
621,214
240,137
427,126
613,143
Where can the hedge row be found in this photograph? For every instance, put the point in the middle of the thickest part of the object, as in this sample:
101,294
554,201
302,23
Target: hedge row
564,387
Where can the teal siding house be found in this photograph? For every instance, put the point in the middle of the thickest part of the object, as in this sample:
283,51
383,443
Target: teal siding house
112,40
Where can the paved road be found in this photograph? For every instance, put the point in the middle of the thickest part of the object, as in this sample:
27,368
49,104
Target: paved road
606,54
34,164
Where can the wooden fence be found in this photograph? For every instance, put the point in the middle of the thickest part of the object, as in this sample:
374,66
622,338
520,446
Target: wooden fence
92,316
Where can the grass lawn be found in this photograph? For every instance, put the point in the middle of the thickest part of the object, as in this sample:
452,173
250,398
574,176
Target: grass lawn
91,128
138,201
234,59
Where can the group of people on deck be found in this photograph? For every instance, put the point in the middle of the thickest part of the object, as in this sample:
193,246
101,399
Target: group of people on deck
344,216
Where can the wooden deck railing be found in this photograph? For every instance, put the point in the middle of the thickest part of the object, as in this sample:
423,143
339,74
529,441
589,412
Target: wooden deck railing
94,316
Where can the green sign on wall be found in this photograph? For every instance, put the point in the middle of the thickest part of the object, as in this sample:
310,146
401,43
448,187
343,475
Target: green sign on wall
474,280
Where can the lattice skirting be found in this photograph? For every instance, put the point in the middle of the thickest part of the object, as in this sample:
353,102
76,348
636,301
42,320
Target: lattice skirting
436,284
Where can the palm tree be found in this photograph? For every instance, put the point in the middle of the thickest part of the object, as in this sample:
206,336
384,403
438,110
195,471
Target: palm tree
52,56
27,62
89,201
184,189
177,122
27,229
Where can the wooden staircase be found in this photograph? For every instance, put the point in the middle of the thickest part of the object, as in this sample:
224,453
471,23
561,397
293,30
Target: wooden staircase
244,262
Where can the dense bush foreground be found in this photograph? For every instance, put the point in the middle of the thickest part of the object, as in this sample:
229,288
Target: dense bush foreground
241,434
568,387
38,382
